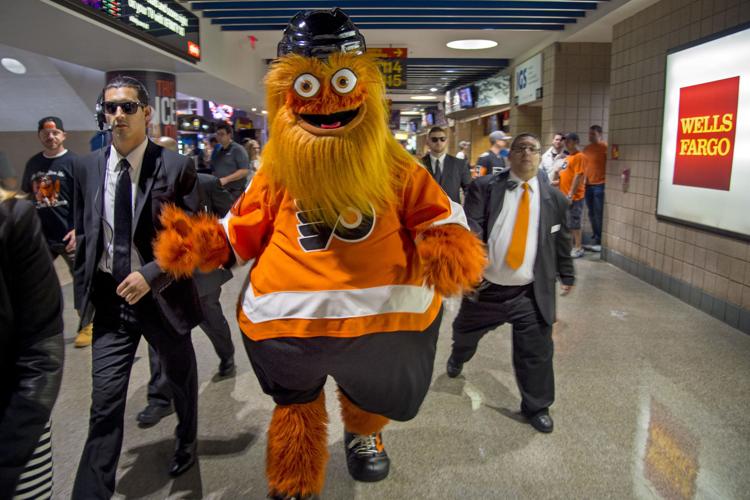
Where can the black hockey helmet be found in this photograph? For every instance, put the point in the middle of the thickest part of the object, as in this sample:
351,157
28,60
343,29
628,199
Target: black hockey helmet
319,33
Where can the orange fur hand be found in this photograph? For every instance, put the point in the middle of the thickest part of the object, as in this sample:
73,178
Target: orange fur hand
453,259
297,450
357,420
189,242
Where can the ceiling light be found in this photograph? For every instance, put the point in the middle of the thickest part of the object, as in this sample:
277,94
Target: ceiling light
471,44
410,113
423,97
264,112
433,89
254,110
13,65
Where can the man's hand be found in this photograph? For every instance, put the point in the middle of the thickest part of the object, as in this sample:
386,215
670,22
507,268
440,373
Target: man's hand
133,288
223,181
70,241
565,289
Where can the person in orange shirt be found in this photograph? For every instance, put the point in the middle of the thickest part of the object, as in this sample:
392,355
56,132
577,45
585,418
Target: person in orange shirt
572,185
596,156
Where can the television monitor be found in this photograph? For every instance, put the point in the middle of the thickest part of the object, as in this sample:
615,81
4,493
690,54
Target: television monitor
466,97
491,124
429,119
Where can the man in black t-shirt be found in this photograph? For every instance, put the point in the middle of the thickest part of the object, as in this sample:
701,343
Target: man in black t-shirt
49,181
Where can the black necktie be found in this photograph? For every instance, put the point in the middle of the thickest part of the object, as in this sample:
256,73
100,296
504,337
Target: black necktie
123,222
437,170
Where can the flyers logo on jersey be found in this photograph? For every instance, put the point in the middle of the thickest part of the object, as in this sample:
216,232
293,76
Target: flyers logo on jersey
351,227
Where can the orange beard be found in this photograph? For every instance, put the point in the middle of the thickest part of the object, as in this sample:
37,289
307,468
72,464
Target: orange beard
359,167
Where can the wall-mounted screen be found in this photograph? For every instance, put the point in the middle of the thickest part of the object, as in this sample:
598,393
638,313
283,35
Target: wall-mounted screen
163,23
466,97
704,174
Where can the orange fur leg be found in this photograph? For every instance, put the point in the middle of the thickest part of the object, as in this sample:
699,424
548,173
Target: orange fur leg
453,259
297,450
174,249
358,421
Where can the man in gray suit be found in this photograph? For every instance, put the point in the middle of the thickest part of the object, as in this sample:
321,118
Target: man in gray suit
452,174
523,222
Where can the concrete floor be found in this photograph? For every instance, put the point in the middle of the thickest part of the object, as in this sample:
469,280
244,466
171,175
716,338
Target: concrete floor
652,401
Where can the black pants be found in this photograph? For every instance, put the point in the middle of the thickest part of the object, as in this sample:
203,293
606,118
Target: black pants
385,373
215,325
117,330
532,338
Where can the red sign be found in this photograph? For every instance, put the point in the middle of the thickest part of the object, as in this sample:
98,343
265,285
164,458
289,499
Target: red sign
194,49
388,53
705,134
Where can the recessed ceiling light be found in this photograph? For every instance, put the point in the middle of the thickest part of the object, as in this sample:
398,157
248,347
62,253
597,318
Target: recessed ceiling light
423,97
254,110
471,44
410,113
13,65
264,112
433,89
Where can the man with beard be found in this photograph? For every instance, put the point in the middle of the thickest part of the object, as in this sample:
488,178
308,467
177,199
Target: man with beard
49,180
354,245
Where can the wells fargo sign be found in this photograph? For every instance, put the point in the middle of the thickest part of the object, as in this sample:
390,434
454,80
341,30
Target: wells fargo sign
706,134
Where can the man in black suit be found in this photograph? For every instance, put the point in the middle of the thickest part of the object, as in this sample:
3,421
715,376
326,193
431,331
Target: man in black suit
522,221
120,193
452,174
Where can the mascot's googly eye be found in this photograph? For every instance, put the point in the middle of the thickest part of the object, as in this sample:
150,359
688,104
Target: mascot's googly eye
306,85
344,81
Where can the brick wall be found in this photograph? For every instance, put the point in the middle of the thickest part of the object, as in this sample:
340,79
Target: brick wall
707,270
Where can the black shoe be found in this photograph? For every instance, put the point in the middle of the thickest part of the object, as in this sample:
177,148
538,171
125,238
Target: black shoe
542,422
152,414
183,459
365,457
227,369
279,496
453,368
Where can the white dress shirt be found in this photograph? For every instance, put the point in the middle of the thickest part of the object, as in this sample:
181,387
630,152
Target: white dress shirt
441,159
501,232
135,158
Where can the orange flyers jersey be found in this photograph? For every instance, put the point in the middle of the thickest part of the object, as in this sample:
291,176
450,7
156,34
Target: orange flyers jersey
363,276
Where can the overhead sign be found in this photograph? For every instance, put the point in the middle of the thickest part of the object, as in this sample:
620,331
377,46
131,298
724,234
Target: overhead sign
164,23
393,65
704,173
527,84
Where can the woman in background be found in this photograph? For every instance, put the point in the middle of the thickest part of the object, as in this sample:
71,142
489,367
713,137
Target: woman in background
31,351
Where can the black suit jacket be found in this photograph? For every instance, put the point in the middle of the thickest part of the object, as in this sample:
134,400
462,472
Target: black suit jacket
454,177
484,202
165,177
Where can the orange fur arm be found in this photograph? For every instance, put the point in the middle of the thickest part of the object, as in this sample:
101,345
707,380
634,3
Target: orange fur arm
453,259
189,242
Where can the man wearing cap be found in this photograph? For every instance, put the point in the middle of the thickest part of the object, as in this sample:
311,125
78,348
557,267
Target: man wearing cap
492,161
48,179
451,173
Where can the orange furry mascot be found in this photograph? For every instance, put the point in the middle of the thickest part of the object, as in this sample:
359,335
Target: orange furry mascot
354,245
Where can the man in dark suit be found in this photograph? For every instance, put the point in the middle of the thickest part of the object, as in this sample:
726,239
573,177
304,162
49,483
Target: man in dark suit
120,193
216,200
452,174
523,222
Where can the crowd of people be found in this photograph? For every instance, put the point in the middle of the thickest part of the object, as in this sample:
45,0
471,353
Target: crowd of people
102,212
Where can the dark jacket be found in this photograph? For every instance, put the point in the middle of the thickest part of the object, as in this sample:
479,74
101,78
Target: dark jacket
454,176
216,200
166,178
31,338
482,207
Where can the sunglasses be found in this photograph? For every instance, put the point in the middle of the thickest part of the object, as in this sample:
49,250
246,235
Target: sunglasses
436,139
128,107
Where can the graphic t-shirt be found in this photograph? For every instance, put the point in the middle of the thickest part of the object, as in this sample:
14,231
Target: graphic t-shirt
49,182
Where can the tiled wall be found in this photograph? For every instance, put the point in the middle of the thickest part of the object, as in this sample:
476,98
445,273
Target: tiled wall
707,270
576,88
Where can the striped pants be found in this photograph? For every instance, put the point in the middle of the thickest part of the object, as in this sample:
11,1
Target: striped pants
36,480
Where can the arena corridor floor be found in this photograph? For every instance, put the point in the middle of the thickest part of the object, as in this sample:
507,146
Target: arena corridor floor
653,399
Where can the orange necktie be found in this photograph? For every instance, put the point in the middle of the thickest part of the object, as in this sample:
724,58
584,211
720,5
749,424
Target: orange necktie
517,247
